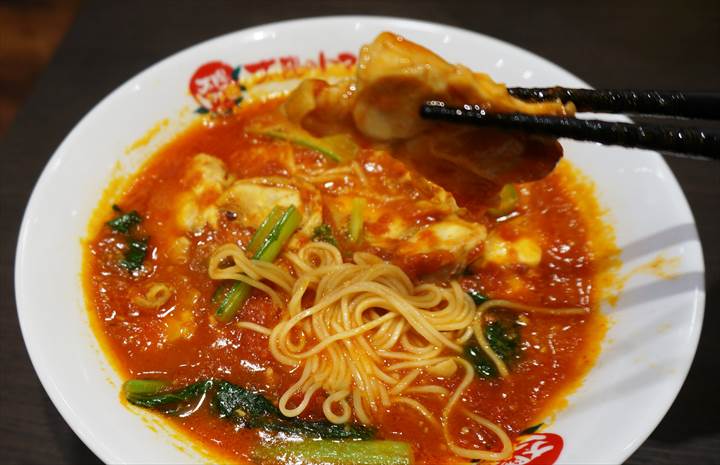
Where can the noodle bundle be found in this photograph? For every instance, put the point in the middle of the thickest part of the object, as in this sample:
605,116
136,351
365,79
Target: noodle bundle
363,333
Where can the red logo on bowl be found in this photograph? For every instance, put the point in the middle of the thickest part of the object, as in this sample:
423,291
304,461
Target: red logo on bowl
536,449
217,88
208,85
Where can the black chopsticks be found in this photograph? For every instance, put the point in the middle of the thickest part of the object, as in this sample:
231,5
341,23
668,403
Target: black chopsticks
696,143
690,142
640,102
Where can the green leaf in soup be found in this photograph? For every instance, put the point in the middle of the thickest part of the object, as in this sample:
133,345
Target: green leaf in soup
503,338
477,297
324,233
244,407
170,402
250,409
231,399
135,254
124,222
484,367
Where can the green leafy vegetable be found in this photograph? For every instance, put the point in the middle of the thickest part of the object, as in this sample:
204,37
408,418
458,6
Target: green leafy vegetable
531,429
355,225
168,402
324,233
320,429
246,408
135,254
136,248
124,222
267,248
336,453
484,367
231,398
477,297
250,409
504,340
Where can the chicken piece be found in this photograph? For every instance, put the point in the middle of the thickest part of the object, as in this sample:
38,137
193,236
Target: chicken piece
206,178
407,219
254,198
396,76
454,236
321,108
474,163
441,246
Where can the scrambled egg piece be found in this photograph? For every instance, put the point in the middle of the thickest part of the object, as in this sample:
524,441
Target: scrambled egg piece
523,251
211,188
206,177
253,199
452,234
178,251
180,326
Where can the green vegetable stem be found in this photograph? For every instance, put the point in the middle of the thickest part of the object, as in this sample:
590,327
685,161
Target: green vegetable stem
267,243
337,453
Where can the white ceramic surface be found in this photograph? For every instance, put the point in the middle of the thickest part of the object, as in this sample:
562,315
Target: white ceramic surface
656,323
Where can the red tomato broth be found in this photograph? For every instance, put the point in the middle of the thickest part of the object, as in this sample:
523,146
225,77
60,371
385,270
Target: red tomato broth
556,351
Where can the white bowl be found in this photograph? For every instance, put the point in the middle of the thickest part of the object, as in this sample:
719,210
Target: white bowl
648,349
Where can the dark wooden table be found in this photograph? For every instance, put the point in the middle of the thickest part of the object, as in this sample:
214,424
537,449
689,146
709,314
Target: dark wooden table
652,44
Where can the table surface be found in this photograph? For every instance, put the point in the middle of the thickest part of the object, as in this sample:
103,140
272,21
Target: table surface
646,44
